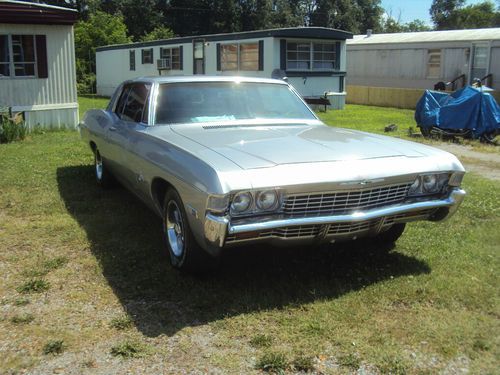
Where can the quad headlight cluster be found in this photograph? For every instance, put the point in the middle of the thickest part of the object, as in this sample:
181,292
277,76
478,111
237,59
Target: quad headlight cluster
246,201
427,184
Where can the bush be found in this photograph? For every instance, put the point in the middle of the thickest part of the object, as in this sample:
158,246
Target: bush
86,84
11,130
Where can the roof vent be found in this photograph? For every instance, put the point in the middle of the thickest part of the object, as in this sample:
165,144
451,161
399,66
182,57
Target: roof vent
369,33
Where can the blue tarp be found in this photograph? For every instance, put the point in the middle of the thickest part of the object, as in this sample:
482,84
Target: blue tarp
465,109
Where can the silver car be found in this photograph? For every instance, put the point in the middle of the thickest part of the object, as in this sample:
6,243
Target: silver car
227,161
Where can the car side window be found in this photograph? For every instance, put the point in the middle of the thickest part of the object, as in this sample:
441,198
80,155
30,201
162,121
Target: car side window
122,100
135,105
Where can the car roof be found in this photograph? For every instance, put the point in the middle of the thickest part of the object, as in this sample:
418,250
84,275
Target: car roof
198,78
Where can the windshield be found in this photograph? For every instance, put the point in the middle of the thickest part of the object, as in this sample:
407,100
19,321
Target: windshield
191,102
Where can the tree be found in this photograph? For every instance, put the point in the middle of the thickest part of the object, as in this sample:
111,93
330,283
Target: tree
453,14
99,30
417,25
441,12
477,16
159,32
355,16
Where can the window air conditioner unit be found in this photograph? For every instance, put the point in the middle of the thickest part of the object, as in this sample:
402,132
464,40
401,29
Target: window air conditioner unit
163,64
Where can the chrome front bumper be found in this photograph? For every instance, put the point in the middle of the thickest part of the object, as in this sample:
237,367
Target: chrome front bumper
219,228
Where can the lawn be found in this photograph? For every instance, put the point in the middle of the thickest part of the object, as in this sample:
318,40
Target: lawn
85,287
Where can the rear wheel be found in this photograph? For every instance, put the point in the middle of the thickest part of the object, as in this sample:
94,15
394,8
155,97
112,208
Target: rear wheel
185,253
103,176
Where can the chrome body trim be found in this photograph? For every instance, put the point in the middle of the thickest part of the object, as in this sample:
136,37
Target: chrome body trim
217,228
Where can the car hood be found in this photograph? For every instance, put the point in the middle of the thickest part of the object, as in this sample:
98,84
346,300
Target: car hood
270,145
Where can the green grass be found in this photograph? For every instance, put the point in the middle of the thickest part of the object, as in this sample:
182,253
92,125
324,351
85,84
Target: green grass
375,119
420,308
86,102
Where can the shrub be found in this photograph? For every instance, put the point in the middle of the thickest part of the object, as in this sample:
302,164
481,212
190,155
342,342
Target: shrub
272,362
129,349
54,347
11,130
22,319
34,286
87,84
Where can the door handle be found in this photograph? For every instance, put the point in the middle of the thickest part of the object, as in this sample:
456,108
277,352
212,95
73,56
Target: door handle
112,128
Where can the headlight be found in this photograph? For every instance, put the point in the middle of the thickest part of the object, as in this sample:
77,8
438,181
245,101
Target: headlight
430,183
266,200
241,202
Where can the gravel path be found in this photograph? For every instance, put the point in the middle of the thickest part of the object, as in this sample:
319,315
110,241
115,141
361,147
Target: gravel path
482,163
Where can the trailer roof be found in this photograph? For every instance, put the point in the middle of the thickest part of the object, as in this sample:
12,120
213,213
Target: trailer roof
428,36
291,32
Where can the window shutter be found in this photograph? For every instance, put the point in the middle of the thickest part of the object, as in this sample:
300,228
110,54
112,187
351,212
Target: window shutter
152,56
261,55
181,58
283,54
41,56
337,56
142,56
218,57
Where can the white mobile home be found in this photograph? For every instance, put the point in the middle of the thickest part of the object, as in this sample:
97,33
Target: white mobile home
313,59
419,60
37,63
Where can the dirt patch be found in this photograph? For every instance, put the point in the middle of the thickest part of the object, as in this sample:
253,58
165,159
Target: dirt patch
484,164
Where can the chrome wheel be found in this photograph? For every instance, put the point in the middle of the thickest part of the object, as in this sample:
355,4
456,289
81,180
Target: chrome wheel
174,227
98,165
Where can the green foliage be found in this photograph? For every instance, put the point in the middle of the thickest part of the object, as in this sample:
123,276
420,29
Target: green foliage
54,347
159,32
34,286
354,16
99,30
454,14
11,131
129,349
272,362
121,323
22,319
86,84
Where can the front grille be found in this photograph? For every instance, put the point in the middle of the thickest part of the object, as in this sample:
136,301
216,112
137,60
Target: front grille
344,202
346,228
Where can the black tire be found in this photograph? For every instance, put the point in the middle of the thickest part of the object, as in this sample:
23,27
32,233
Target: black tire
185,253
390,236
103,176
426,132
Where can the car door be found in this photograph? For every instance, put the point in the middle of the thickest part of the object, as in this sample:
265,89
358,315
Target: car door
131,112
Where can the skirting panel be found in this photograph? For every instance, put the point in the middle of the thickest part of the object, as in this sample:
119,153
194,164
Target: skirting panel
66,118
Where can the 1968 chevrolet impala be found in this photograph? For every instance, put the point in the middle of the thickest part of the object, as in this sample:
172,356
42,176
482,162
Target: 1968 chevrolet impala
227,161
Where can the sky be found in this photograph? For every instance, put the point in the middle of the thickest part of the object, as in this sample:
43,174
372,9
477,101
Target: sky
413,9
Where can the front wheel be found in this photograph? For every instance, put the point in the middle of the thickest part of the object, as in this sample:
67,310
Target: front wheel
390,236
185,253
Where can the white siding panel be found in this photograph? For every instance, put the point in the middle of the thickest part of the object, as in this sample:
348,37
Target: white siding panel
495,67
454,62
60,86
